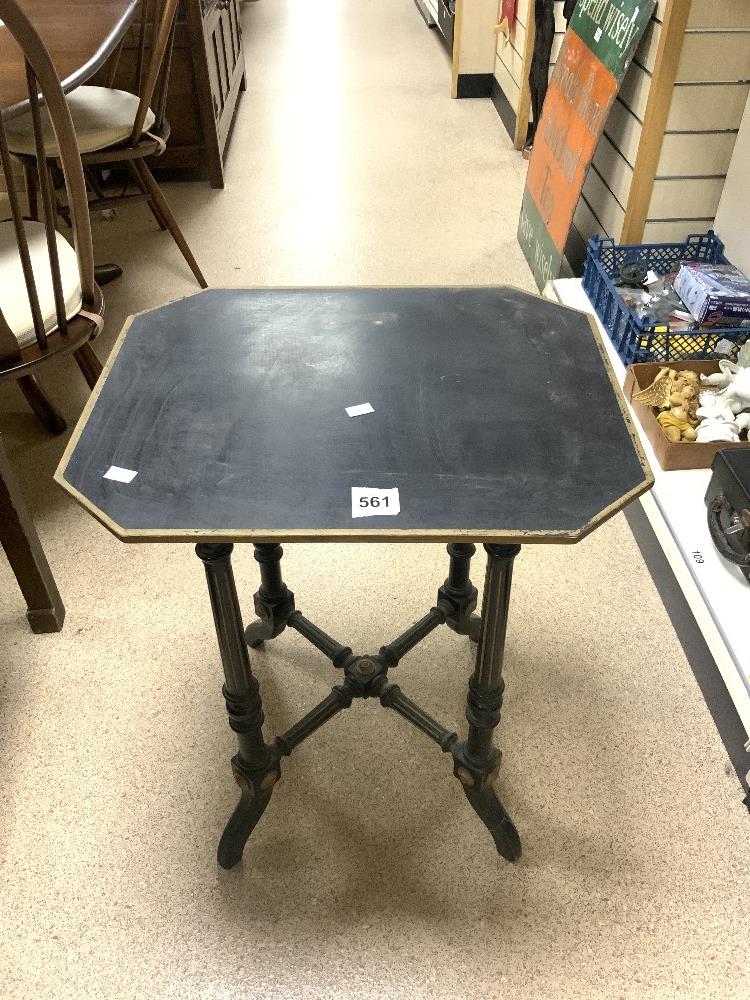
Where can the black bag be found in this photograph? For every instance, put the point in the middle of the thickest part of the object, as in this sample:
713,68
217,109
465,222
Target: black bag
728,503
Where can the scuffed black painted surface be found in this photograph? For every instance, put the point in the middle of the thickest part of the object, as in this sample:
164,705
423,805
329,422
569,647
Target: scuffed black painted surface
493,412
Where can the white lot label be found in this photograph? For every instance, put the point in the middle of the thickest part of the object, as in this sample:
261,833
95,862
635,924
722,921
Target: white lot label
724,347
120,475
367,502
359,409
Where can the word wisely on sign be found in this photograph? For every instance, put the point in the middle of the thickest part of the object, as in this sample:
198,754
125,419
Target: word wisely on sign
621,26
596,51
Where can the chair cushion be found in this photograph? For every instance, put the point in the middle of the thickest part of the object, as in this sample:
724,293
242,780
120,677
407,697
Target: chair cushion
101,116
14,300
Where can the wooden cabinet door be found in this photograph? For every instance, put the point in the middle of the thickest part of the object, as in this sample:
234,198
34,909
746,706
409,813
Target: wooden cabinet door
233,36
226,69
207,74
216,72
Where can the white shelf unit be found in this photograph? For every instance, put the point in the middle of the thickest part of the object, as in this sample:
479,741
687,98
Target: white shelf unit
716,591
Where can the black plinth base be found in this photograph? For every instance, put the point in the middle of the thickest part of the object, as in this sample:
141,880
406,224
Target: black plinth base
257,766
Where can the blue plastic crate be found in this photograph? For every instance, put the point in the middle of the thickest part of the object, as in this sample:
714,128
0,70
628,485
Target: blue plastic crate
634,339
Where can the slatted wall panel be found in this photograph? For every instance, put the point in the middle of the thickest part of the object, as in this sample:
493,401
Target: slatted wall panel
604,200
707,102
509,57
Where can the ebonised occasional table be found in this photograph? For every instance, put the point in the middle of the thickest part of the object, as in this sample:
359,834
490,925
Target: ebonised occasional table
221,418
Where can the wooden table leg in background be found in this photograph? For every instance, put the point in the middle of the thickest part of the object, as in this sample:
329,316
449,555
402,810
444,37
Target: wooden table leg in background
26,557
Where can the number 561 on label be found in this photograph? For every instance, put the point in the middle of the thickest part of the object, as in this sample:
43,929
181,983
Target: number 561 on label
368,502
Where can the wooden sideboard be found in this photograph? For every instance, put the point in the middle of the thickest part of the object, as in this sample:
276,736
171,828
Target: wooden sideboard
207,76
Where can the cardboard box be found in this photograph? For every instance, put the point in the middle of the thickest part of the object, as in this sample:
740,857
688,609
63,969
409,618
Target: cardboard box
683,454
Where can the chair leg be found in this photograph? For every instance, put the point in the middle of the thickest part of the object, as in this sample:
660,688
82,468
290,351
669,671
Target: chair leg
165,211
89,364
41,405
92,181
157,215
31,181
149,201
46,612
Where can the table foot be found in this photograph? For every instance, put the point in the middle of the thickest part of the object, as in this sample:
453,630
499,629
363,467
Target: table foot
256,788
490,810
257,632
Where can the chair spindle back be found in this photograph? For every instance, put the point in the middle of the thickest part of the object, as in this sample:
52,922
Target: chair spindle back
44,87
153,61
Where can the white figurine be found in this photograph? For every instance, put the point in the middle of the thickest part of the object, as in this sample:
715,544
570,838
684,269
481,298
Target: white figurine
715,429
737,393
714,408
722,412
722,378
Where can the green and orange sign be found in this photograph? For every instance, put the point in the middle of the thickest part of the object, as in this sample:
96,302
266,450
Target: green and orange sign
596,51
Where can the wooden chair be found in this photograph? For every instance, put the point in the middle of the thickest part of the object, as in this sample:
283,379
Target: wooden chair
49,302
115,127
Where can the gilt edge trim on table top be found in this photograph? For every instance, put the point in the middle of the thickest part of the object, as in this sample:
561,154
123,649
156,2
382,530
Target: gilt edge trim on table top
194,535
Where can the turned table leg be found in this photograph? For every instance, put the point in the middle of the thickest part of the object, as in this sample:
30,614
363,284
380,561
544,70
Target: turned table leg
460,592
274,602
477,760
256,766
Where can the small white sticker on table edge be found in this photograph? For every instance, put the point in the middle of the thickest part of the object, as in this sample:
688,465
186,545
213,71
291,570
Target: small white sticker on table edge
394,503
359,409
119,475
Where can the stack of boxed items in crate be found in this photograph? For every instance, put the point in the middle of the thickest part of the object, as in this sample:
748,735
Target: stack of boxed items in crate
701,405
678,315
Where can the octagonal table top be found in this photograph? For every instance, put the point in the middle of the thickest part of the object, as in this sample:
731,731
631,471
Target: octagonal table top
495,416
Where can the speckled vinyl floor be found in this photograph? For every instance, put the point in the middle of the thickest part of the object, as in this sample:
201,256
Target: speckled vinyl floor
369,876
